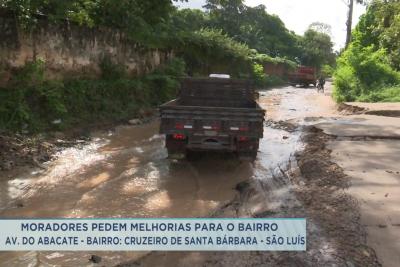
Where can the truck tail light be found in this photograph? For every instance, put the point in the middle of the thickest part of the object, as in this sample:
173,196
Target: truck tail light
242,139
179,126
179,136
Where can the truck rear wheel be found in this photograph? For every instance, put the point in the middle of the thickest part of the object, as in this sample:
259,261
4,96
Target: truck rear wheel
176,148
173,154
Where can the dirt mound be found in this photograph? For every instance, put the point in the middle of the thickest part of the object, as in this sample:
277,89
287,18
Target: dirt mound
20,150
385,113
346,109
281,125
321,190
31,151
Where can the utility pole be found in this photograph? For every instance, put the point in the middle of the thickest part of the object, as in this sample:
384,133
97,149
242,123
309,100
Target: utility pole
349,22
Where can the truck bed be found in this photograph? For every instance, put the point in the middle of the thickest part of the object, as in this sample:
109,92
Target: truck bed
211,92
249,112
227,120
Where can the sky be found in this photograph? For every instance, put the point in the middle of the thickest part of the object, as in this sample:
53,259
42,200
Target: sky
299,14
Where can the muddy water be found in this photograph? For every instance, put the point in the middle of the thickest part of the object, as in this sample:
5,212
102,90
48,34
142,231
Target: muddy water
126,173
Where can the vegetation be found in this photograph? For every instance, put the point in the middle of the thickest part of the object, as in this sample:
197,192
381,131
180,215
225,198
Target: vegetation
386,94
158,24
253,26
34,104
317,49
327,71
228,37
144,21
209,51
369,68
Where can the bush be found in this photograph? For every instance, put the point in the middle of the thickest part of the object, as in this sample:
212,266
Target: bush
110,70
263,80
327,71
346,84
210,51
368,70
30,100
273,80
32,103
363,71
259,76
388,94
263,59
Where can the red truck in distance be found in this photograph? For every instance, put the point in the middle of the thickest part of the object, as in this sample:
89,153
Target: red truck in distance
303,76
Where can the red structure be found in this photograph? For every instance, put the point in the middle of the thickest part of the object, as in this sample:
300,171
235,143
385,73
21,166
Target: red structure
303,75
276,69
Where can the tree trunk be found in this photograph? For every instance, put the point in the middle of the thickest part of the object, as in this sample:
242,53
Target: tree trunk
349,22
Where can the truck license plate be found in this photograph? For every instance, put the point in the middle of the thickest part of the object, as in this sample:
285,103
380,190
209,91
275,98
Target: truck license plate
210,133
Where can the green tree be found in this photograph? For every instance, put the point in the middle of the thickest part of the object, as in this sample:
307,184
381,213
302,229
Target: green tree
380,27
225,15
144,21
369,68
189,20
321,27
317,49
210,50
252,25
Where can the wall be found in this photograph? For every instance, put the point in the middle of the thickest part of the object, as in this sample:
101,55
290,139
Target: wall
278,69
69,49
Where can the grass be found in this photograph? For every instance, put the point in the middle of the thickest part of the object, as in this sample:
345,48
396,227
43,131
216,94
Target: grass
388,94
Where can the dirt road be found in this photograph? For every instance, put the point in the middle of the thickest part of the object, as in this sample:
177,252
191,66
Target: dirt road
126,173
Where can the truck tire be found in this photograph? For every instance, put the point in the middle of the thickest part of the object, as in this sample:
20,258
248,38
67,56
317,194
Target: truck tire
176,149
173,154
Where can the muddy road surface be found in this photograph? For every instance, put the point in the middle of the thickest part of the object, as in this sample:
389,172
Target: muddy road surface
126,173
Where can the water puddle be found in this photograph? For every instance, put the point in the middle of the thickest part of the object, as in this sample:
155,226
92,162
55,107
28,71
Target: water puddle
126,173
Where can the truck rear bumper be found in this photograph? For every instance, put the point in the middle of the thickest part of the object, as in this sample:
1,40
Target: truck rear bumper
211,147
211,143
215,143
